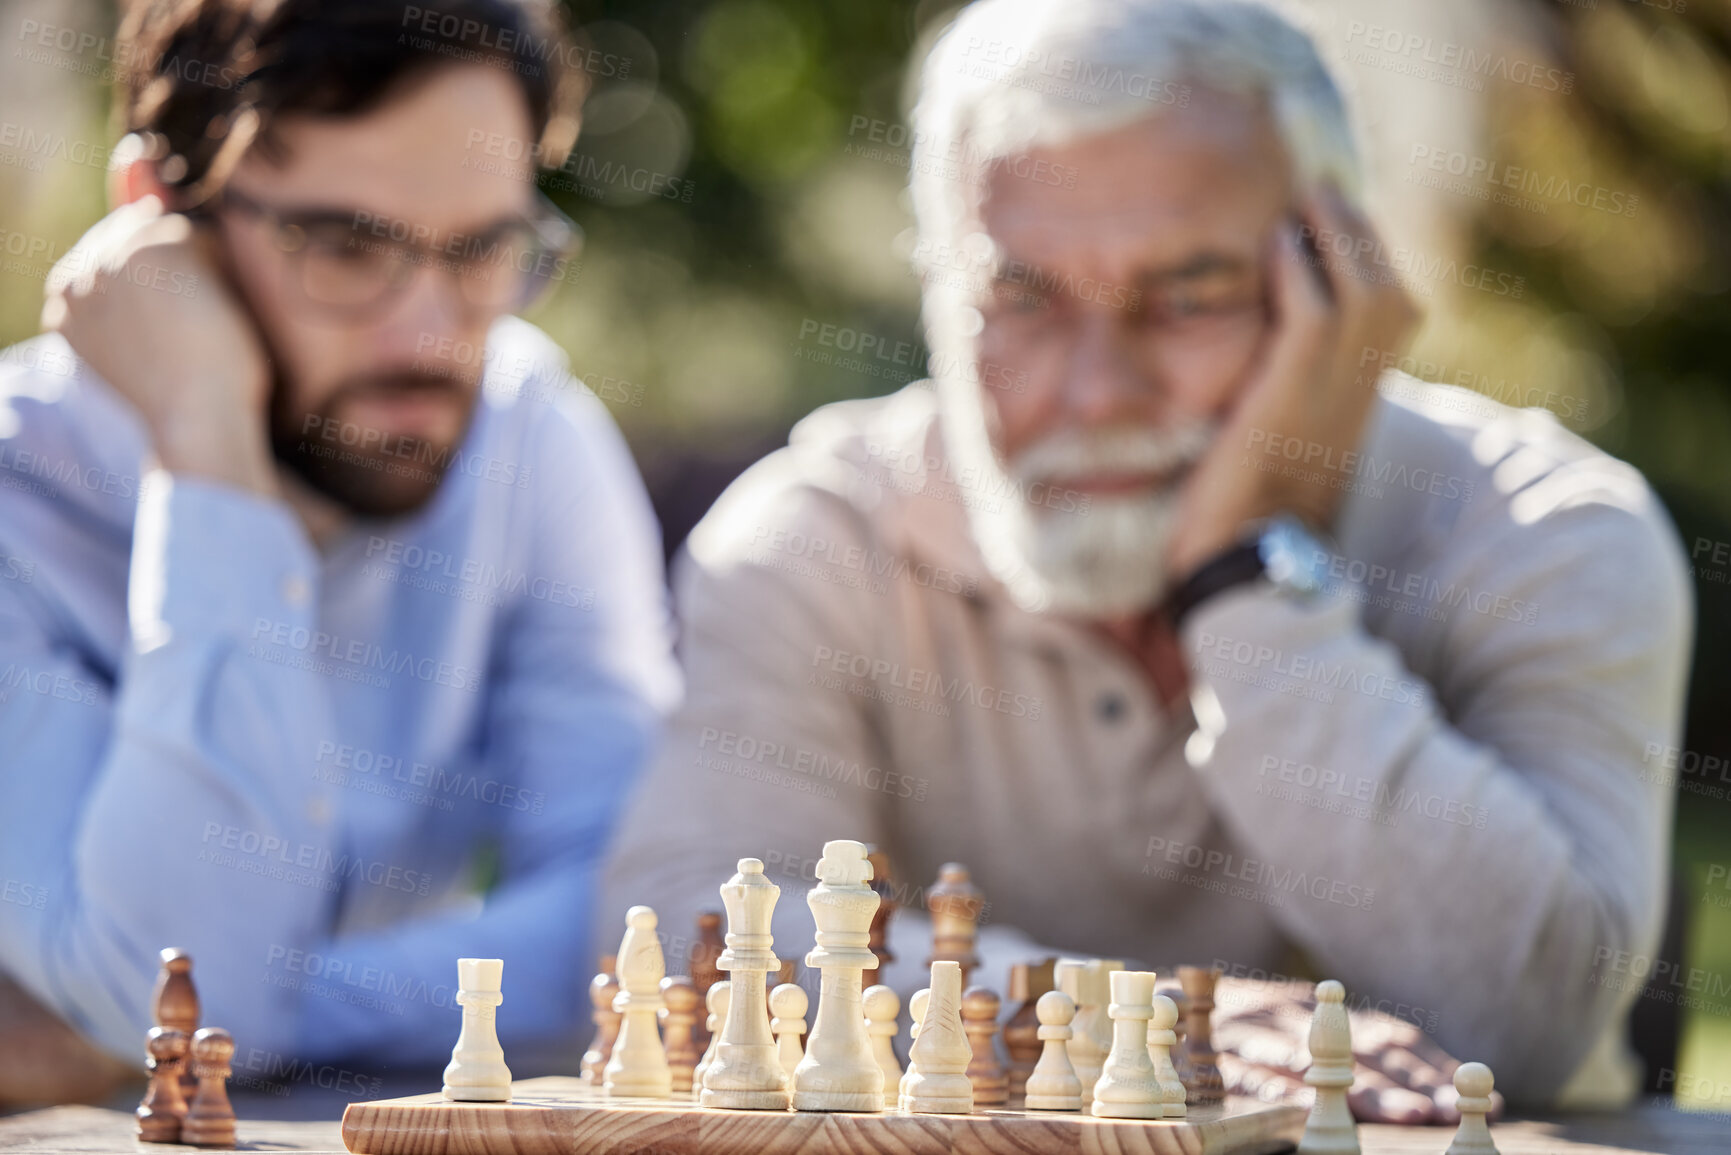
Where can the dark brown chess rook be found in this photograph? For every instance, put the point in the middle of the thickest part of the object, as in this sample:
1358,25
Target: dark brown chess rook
1028,981
1205,1084
705,949
602,988
955,903
163,1108
884,884
174,1003
980,1020
209,1121
679,1019
1180,1063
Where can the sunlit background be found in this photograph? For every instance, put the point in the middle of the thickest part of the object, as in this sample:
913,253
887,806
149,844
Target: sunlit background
1552,178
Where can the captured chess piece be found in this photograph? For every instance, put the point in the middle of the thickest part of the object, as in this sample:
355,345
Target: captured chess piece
881,1006
209,1120
638,1066
916,1014
746,1073
1081,980
679,1025
1474,1082
838,1072
1161,1039
1128,1087
886,892
1053,1085
160,1113
1028,981
980,1021
955,904
715,1002
1330,1129
174,1004
787,1006
603,989
938,1061
1204,1084
477,1071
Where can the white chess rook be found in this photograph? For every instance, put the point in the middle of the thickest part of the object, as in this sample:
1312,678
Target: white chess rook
916,1013
938,1080
1082,980
638,1067
1053,1085
1474,1082
1129,1087
881,1007
838,1072
477,1071
1330,1129
746,1073
1161,1039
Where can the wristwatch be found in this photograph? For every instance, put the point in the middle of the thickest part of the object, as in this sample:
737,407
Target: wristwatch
1282,551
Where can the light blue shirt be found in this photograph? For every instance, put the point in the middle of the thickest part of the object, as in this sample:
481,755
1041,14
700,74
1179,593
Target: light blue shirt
291,764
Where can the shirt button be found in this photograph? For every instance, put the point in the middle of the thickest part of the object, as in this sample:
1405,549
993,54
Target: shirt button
295,590
1110,707
319,810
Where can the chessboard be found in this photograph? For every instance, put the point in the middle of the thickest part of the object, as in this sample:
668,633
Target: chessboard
562,1116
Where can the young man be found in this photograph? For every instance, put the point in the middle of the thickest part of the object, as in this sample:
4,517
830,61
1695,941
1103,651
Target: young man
1157,616
319,616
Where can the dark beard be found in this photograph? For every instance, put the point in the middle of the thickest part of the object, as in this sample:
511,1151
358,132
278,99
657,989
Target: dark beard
373,477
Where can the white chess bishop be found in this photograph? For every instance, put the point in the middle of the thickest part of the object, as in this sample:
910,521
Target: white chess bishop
1330,1129
638,1066
839,1072
746,1073
477,1072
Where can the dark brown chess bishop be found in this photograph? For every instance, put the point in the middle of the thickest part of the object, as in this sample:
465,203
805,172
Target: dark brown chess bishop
955,904
174,1004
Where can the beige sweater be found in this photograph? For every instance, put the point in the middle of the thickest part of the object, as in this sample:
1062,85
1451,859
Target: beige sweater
1428,784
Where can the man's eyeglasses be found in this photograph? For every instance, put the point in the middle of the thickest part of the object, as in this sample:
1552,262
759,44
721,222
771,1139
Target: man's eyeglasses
355,263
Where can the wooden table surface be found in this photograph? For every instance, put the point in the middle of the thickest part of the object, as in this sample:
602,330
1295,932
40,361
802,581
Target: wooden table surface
309,1120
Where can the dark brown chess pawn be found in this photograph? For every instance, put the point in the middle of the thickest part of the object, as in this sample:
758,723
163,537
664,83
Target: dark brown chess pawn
174,1003
160,1113
705,949
602,988
980,1021
1028,981
884,885
678,1022
209,1121
1205,1084
955,903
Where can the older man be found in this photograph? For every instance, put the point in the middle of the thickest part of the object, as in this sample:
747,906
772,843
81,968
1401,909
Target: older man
1157,615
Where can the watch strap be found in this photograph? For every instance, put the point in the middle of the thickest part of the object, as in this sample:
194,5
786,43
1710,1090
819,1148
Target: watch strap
1236,565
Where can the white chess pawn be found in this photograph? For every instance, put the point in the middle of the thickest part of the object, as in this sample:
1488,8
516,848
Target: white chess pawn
1161,1039
788,1003
1330,1129
1128,1087
1081,980
1053,1085
881,1007
746,1073
638,1066
916,1012
838,1072
938,1080
1474,1082
477,1071
715,1002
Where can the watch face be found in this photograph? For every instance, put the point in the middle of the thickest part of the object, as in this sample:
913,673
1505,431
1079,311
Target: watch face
1292,557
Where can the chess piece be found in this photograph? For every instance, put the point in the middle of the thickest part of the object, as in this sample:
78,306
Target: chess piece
1128,1087
209,1120
980,1021
1053,1085
160,1113
1175,1053
746,1073
1330,1129
881,1006
838,1072
1081,980
705,949
916,1014
1028,981
1205,1084
787,1007
638,1065
174,1004
1474,1082
1160,1039
603,989
885,888
715,1002
679,1023
477,1071
938,1061
955,904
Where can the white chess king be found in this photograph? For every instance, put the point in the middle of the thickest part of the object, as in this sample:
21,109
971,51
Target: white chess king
477,1071
839,1072
746,1073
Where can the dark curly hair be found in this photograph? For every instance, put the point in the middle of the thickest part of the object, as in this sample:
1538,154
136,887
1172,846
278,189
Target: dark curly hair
203,80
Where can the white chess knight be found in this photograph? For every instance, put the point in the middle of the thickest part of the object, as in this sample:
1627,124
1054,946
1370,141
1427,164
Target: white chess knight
746,1073
638,1066
477,1071
1129,1086
1053,1085
937,1080
881,1007
838,1072
1330,1129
